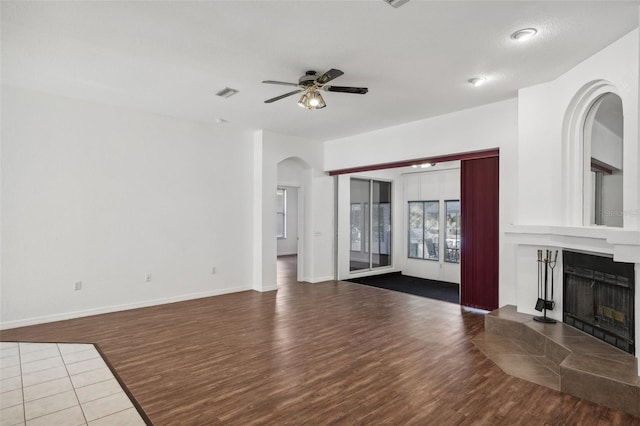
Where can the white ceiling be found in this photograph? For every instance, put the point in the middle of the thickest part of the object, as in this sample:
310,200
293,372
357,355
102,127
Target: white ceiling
172,57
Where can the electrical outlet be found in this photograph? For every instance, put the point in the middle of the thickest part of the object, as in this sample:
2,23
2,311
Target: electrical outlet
147,277
77,285
213,270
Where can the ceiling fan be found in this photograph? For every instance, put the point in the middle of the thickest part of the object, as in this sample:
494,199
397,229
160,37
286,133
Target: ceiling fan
310,84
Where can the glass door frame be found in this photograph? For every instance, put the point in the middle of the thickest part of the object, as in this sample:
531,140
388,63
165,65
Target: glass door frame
366,240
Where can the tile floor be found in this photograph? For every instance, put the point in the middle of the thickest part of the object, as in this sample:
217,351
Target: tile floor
60,384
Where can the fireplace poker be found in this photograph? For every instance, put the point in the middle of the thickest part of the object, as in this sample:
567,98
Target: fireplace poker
540,301
552,265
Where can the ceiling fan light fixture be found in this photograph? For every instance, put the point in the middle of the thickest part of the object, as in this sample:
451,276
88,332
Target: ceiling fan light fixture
316,101
524,34
304,101
310,85
312,100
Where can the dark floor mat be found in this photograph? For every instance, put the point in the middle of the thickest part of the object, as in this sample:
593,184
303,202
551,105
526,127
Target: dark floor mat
432,289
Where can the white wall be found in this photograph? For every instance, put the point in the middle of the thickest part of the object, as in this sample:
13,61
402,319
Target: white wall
542,167
485,127
550,189
482,128
606,146
316,240
105,195
434,185
612,199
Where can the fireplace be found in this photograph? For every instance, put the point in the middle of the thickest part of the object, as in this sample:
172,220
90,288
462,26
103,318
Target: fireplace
599,298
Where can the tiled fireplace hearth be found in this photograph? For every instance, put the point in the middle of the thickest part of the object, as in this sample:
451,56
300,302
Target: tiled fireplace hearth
562,358
594,291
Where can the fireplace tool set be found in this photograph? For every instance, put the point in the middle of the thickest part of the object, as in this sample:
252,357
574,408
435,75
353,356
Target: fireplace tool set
543,304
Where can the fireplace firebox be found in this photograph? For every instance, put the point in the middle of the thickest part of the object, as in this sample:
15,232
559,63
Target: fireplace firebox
599,298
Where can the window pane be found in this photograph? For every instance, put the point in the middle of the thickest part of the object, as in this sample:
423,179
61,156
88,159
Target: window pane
366,229
431,229
281,213
359,254
381,224
424,229
416,229
370,239
356,230
452,251
280,194
280,226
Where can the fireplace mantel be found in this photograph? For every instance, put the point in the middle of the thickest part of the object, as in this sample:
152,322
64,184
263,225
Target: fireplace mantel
623,244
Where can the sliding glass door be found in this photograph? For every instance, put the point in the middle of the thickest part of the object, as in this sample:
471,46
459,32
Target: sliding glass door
370,227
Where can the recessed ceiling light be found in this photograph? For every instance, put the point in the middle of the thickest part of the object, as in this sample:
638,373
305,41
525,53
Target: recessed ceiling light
220,120
477,81
524,34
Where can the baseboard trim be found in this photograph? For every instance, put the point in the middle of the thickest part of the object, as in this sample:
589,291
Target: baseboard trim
319,279
265,289
117,308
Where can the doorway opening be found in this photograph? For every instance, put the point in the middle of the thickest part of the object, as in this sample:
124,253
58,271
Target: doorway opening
287,267
287,234
293,174
471,245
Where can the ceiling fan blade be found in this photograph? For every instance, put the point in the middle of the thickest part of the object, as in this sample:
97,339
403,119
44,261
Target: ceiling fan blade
280,82
344,89
329,75
277,98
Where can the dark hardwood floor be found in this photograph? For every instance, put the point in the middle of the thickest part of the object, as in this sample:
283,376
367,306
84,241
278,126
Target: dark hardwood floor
287,269
327,353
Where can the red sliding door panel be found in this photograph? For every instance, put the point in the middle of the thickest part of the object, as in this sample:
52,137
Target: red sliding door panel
479,187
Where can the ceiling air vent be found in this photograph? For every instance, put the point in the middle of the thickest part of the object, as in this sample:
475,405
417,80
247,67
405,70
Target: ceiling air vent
396,3
227,92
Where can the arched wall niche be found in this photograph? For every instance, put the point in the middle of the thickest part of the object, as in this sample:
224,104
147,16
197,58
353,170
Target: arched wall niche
579,112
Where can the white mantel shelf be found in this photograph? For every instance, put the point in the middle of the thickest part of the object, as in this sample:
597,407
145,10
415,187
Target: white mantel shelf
623,244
